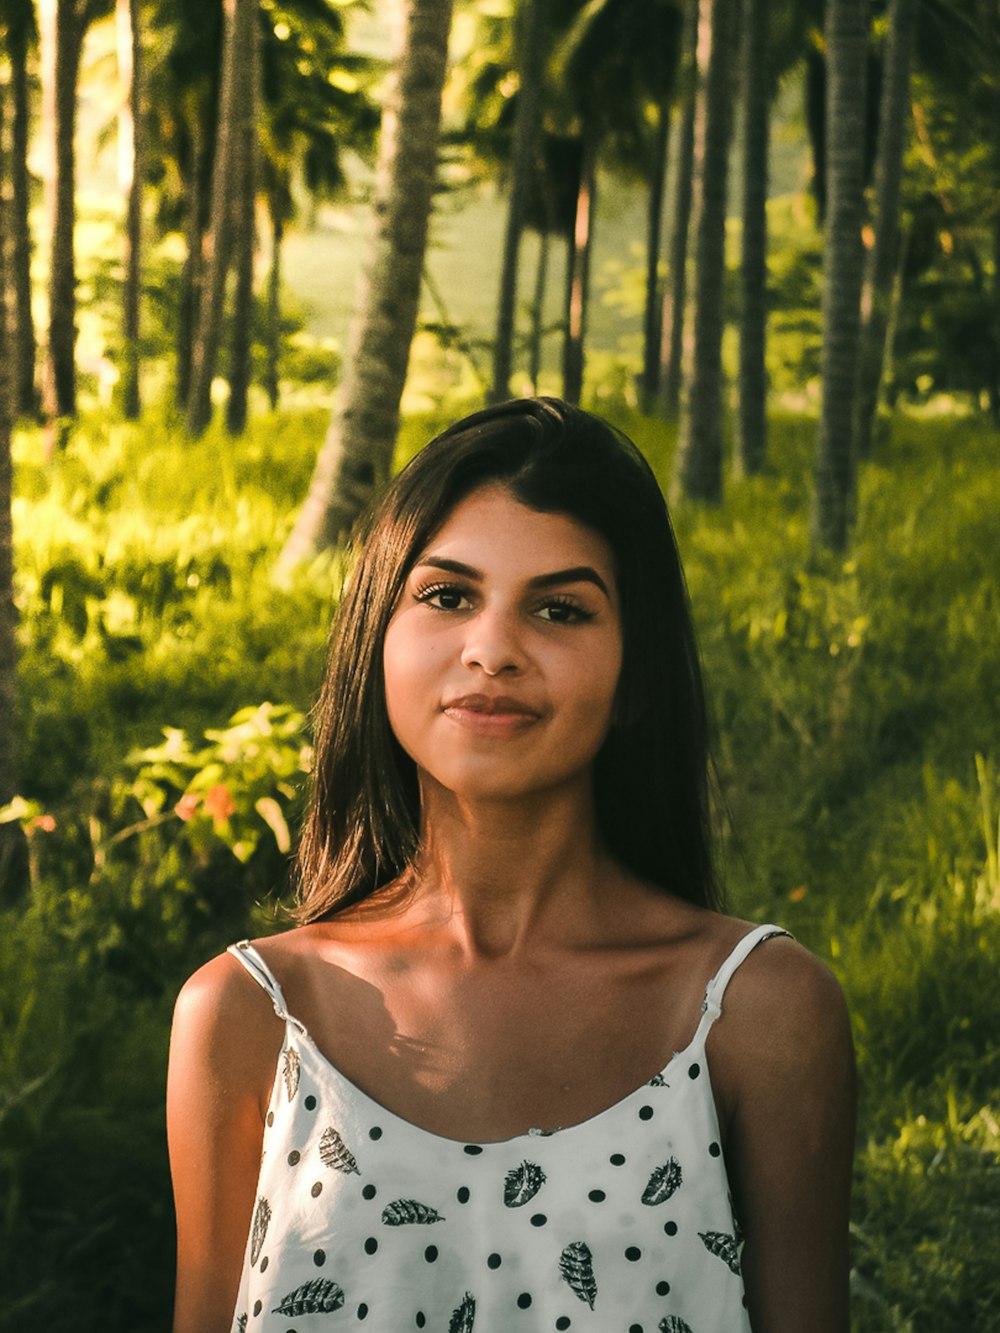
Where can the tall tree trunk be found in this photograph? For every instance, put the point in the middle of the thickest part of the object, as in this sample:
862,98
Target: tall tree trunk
237,40
531,51
652,324
61,32
356,457
578,270
843,261
132,159
700,440
245,199
880,267
273,361
755,93
10,833
538,311
675,291
23,344
191,274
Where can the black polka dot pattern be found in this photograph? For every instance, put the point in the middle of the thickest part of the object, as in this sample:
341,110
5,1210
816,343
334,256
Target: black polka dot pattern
621,1222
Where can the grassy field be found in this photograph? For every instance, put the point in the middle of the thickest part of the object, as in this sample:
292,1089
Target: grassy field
856,735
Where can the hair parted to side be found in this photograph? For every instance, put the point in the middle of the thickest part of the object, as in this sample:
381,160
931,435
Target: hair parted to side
651,774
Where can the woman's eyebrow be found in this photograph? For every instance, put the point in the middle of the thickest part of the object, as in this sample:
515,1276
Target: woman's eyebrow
575,574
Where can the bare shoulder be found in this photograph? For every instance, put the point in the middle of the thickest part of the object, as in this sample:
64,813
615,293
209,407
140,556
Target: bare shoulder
224,1021
782,990
784,1031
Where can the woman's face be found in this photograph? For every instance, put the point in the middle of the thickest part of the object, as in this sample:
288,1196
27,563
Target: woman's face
503,654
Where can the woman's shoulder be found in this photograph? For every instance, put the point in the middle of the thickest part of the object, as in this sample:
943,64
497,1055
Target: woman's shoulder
784,1021
225,1004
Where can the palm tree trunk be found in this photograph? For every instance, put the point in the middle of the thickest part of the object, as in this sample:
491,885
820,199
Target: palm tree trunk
756,100
191,275
245,199
130,64
538,310
881,262
356,457
8,611
699,462
61,36
652,324
578,270
236,44
843,261
273,361
675,290
526,128
23,343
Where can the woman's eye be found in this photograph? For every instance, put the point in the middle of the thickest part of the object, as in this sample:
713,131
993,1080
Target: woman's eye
564,613
442,597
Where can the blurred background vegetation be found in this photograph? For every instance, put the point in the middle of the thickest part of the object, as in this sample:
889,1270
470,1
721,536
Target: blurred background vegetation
166,404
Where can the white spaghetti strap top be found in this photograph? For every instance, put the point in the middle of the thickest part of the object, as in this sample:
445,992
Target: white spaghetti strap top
620,1224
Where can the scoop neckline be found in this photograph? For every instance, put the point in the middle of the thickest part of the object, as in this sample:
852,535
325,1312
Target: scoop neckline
530,1135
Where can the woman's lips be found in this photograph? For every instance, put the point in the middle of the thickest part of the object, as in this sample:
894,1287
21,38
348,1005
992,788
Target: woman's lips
490,715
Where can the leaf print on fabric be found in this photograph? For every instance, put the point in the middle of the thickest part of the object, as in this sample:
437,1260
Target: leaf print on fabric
522,1183
464,1317
576,1264
333,1151
408,1212
674,1324
260,1220
241,1323
291,1072
319,1296
717,1242
658,1081
664,1181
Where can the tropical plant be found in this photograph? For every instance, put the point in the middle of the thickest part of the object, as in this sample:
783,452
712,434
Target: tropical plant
356,456
700,440
843,261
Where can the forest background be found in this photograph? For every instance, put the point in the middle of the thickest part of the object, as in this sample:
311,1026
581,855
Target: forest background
793,309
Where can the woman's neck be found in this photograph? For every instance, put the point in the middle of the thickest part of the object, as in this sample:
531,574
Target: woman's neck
493,875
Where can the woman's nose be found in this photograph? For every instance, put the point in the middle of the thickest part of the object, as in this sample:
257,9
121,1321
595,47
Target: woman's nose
493,643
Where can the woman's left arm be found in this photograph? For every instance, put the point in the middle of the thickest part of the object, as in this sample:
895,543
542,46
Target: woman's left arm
785,1048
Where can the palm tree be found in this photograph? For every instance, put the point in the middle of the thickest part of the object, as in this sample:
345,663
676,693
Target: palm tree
62,27
8,612
356,456
531,47
881,261
675,289
699,462
234,86
618,63
755,88
131,65
21,36
244,209
843,262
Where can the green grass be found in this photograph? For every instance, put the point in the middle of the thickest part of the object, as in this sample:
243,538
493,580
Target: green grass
851,698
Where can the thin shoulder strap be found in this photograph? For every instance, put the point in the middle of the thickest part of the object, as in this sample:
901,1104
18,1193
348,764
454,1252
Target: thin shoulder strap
712,1004
264,978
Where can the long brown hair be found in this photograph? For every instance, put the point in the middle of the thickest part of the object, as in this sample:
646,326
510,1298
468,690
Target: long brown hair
651,775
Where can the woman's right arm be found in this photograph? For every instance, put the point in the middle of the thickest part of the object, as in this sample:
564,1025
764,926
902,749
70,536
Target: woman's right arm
223,1051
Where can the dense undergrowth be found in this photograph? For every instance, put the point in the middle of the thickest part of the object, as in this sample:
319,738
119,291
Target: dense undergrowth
165,687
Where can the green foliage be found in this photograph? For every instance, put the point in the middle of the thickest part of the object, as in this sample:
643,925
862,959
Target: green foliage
851,699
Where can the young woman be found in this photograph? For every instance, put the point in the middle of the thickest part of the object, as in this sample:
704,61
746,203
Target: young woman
488,1083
